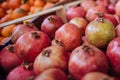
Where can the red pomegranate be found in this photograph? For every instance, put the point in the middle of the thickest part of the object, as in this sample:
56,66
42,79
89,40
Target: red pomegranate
113,54
9,59
52,74
21,29
87,4
22,72
97,76
85,59
75,11
80,22
68,36
51,24
92,12
30,44
51,57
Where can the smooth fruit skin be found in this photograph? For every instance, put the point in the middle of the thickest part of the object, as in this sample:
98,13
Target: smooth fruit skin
91,14
117,30
8,59
97,76
117,8
85,59
21,73
51,24
100,33
30,44
52,74
69,35
51,57
75,11
21,29
80,22
113,54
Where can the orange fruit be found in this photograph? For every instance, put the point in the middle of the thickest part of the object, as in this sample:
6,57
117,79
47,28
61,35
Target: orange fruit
2,12
6,18
18,12
39,3
26,7
4,5
7,31
14,4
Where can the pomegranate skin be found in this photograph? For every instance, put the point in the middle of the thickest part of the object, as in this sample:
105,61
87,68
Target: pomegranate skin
97,76
85,59
9,59
117,30
92,12
52,74
21,29
21,73
51,24
68,34
51,57
113,54
75,11
30,44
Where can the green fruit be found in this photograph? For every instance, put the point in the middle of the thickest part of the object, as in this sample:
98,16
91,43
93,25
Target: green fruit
100,32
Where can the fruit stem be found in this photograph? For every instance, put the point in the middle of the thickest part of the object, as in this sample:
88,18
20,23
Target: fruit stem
51,19
11,48
60,43
35,35
46,52
27,65
100,15
86,48
28,24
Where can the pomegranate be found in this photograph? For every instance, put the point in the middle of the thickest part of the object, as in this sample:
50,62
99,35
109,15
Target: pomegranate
111,18
21,29
111,8
87,4
75,11
51,57
22,72
81,23
100,32
104,3
113,54
118,30
87,58
91,13
30,44
117,8
68,34
8,58
117,18
97,76
51,24
52,74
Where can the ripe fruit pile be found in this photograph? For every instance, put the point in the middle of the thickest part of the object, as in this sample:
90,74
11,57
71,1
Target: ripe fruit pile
87,47
12,9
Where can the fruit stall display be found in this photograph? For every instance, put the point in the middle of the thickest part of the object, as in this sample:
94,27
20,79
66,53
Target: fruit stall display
75,41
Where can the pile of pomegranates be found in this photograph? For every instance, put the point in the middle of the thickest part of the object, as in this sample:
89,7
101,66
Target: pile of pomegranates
86,47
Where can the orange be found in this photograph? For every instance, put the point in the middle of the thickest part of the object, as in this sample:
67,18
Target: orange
18,12
4,5
14,4
39,3
2,12
6,18
48,5
26,7
7,31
